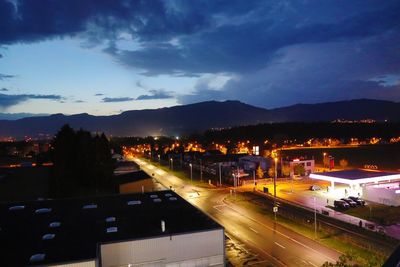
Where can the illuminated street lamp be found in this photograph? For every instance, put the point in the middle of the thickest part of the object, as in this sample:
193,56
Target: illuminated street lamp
191,172
172,163
276,174
315,218
159,159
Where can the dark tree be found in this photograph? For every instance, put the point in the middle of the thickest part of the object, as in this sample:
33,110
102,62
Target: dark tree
82,164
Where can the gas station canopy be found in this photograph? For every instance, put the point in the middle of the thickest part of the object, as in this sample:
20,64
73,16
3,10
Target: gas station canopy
356,176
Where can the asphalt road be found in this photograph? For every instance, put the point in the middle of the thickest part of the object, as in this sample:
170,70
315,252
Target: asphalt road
275,245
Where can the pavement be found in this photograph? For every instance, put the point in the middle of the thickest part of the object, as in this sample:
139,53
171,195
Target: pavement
273,244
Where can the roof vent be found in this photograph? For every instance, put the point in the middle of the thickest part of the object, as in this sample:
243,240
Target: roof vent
157,200
134,202
113,229
19,207
110,219
54,224
153,196
48,236
173,199
168,195
37,257
162,226
43,210
89,206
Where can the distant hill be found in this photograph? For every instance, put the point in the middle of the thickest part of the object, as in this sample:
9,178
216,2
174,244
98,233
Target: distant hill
198,117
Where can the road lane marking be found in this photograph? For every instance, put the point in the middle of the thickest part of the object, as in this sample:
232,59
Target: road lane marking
312,264
253,230
282,234
279,245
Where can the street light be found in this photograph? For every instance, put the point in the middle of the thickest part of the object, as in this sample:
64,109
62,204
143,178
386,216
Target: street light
201,171
220,174
276,174
315,218
172,163
191,172
159,159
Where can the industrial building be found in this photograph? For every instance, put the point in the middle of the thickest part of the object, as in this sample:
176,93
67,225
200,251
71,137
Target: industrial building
149,229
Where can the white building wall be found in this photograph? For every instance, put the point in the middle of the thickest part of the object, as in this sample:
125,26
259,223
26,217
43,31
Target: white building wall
381,195
195,249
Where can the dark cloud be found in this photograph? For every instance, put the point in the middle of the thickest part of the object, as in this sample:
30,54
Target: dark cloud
4,90
98,94
312,73
117,99
12,100
156,94
79,101
6,76
280,52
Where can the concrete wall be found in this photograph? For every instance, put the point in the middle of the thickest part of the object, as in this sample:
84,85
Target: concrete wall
91,263
195,249
381,195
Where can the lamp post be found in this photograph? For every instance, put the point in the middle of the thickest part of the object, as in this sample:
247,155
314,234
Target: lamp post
254,178
201,171
315,218
172,163
276,174
159,159
191,172
220,178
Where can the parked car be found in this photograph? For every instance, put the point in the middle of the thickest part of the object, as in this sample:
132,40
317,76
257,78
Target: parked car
340,204
315,187
380,229
349,201
358,200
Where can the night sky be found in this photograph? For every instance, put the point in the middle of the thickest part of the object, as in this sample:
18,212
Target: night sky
108,56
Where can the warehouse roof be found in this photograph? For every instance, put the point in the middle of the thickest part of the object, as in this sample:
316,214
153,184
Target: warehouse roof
129,177
68,230
356,176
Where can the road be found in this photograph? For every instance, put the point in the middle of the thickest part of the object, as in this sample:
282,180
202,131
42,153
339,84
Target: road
275,245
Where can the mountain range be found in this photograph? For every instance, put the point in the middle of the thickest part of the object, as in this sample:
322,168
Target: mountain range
198,117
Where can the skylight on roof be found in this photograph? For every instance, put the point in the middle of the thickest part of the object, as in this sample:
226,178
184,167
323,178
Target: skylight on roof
173,199
153,196
157,200
111,219
37,257
54,224
113,229
168,195
48,236
89,206
43,210
18,207
134,202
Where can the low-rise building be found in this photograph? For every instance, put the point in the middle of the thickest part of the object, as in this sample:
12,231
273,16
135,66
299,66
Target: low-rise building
150,229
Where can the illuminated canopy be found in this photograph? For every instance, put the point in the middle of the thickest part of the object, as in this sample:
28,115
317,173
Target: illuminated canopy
355,176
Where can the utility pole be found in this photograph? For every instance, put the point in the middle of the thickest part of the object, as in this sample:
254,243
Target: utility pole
220,178
201,171
315,218
275,176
